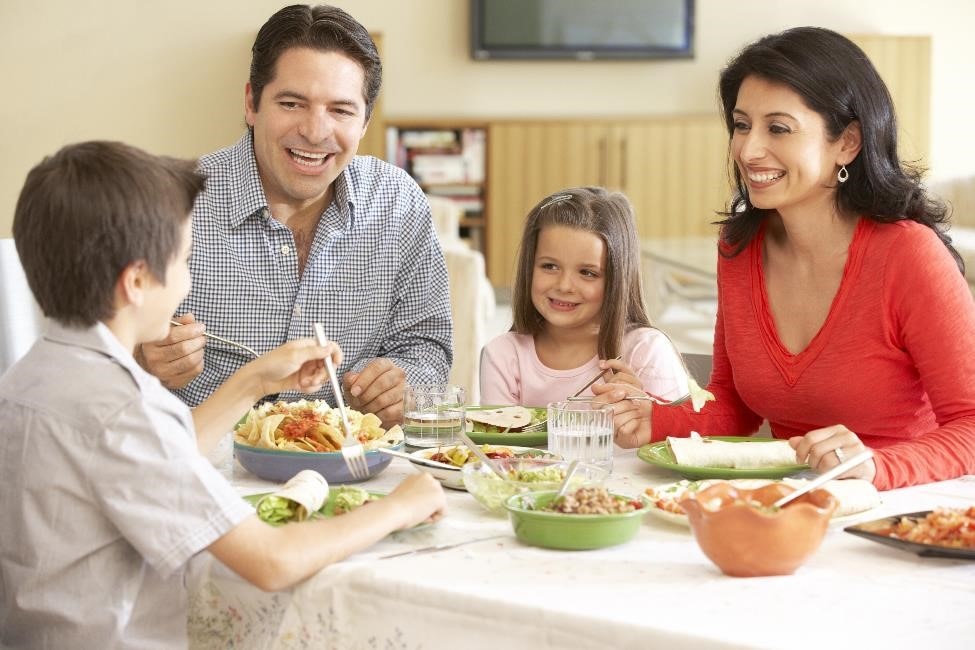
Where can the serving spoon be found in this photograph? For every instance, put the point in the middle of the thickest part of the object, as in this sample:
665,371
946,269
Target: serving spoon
481,456
826,476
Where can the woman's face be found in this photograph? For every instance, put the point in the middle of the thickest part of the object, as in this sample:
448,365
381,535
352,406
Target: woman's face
568,279
782,150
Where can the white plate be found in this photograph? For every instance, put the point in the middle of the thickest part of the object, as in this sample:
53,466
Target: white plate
679,487
451,478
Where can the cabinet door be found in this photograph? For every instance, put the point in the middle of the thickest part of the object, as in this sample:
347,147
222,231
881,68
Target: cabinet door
674,171
526,162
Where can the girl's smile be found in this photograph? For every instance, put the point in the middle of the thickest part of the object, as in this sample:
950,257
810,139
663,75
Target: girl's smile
568,280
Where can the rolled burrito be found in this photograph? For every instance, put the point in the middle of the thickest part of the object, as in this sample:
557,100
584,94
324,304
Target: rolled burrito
701,452
303,494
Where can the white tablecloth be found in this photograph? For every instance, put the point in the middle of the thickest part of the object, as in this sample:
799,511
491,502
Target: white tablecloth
656,591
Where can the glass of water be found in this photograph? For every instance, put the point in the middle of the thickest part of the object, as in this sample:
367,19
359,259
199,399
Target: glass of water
432,414
583,431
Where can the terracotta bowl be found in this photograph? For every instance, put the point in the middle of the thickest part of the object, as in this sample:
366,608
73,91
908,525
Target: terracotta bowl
745,537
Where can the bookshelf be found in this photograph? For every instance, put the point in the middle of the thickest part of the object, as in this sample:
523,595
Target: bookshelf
446,159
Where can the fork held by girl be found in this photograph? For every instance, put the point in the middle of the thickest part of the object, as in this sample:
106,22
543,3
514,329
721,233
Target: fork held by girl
577,307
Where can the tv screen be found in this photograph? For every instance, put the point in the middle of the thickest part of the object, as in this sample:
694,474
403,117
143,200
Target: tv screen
581,29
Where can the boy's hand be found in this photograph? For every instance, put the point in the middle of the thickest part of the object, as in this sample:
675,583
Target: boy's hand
296,365
631,418
419,498
378,389
177,359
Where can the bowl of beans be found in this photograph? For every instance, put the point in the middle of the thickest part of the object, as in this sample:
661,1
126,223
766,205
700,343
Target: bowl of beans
585,518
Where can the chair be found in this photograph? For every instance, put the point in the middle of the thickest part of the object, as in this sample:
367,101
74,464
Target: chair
472,300
21,320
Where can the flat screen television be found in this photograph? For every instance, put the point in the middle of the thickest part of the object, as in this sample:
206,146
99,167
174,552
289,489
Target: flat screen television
582,29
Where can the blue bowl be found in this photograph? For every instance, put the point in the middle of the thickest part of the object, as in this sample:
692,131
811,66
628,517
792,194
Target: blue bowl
277,465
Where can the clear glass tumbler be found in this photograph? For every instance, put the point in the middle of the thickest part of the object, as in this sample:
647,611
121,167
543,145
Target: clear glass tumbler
432,414
580,430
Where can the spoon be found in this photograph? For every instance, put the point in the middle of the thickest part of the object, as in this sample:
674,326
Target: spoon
568,477
481,456
849,463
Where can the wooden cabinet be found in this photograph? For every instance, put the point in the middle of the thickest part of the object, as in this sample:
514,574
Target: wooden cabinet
674,171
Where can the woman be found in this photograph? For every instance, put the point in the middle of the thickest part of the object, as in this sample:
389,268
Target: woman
844,318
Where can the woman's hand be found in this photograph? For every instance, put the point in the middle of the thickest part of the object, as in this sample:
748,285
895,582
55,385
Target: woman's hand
819,447
296,365
631,418
622,373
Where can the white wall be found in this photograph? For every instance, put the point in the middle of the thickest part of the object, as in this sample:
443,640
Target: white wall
169,76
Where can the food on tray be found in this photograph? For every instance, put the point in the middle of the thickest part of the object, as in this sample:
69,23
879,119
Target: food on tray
593,501
460,455
349,498
310,425
699,396
854,495
503,419
954,528
696,451
302,495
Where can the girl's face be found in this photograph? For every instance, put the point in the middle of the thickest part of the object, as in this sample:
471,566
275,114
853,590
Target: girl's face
782,150
568,280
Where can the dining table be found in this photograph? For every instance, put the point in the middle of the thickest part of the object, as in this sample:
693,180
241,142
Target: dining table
656,591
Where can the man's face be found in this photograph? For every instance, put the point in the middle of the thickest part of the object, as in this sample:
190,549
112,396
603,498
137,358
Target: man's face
312,115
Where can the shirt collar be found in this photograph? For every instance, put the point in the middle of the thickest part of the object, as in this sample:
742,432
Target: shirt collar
99,339
253,201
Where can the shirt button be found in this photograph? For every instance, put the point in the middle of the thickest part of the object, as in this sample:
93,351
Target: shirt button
285,250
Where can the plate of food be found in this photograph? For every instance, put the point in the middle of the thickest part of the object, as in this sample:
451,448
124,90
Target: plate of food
943,532
505,425
725,457
460,455
857,498
307,495
276,440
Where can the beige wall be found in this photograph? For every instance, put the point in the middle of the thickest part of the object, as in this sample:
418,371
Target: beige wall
169,76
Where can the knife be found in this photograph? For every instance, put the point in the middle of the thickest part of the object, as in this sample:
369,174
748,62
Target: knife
418,460
439,547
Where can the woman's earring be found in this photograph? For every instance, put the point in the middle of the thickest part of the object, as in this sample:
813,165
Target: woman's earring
842,175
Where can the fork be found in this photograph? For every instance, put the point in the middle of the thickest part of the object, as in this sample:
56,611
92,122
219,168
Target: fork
222,340
352,450
644,398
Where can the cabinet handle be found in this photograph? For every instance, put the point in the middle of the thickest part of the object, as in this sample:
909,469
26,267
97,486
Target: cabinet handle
623,164
603,160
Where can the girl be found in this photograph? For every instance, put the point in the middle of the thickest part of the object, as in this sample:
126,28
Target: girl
578,308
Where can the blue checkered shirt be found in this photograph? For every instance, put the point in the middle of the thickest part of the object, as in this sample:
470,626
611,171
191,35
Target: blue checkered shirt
375,275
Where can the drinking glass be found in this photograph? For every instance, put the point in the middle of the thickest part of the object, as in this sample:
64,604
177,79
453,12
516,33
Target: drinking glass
432,414
583,431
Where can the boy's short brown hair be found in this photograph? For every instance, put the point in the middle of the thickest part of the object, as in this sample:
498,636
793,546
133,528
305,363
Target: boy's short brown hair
90,210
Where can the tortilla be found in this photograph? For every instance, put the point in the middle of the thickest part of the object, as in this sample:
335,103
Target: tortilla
701,452
512,418
307,488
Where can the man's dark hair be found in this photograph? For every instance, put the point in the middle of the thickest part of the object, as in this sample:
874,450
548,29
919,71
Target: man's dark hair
322,28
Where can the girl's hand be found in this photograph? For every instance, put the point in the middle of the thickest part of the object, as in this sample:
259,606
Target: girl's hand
818,448
622,373
296,365
631,418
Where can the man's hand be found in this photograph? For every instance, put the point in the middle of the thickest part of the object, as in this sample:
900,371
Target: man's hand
378,389
177,359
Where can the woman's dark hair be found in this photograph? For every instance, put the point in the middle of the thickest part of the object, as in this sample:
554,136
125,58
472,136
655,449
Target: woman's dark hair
89,211
323,28
834,77
609,216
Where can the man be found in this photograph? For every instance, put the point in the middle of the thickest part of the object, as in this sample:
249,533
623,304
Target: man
294,229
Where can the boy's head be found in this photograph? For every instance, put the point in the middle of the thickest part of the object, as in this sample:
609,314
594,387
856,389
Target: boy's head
90,211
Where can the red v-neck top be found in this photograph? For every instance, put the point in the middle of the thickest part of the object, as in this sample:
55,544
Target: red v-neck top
894,361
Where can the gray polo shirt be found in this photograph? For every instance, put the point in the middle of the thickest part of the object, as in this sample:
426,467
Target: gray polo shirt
104,499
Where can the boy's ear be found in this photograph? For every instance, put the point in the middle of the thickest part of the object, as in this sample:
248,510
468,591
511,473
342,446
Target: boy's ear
132,284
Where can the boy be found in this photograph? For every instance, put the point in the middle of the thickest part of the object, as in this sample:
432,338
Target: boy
106,495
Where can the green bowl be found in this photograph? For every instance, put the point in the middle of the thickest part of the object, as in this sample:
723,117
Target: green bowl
569,532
